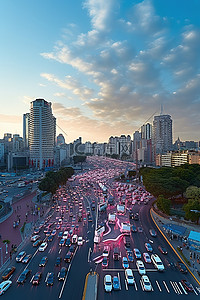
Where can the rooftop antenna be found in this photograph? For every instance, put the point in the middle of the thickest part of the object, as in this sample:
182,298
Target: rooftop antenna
161,109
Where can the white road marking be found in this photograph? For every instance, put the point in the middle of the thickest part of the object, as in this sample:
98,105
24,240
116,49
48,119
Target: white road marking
158,286
119,281
135,285
166,286
46,277
183,288
141,285
198,289
31,279
126,285
178,288
89,254
60,251
49,250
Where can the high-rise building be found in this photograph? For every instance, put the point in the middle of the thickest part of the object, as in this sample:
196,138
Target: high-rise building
42,132
60,139
162,134
26,119
146,131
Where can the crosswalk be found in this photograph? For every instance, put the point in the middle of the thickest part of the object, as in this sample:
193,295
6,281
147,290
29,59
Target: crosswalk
163,286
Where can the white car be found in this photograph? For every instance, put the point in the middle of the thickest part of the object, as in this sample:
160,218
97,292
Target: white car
147,258
35,238
146,284
140,267
108,283
129,276
80,241
65,235
4,286
106,251
157,262
43,246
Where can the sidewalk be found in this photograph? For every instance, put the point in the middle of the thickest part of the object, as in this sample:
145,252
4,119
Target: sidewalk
189,257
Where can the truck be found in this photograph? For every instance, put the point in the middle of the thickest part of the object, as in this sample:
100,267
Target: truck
120,209
125,228
111,218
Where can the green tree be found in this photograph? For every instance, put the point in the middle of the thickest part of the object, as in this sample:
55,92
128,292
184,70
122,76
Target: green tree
193,193
163,204
190,208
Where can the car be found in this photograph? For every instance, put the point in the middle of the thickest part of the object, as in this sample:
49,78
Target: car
62,273
116,284
57,226
65,235
50,238
68,256
140,229
37,230
23,276
134,228
116,253
129,276
20,256
105,262
182,268
157,262
62,242
162,250
68,242
140,267
26,258
146,284
152,232
147,258
50,278
48,233
106,251
108,283
4,286
53,232
187,285
137,253
37,243
60,234
8,272
36,278
80,241
130,255
72,248
42,246
58,261
125,263
148,247
35,237
43,261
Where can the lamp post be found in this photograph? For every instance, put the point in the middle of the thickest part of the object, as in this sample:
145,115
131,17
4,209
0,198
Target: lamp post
1,257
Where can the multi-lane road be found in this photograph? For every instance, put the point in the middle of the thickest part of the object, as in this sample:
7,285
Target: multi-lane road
76,197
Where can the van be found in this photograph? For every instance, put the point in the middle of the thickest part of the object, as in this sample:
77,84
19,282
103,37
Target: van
74,239
116,253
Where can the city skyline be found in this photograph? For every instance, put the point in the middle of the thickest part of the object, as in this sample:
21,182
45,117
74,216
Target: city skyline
102,77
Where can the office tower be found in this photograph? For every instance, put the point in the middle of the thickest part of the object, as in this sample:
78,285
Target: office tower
60,139
146,131
42,132
162,134
26,118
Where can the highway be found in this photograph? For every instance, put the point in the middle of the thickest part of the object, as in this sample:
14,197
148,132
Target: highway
77,197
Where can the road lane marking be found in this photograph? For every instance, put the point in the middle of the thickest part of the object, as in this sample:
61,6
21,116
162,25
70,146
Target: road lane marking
31,279
119,281
178,288
60,251
183,288
158,286
126,285
141,285
89,254
135,285
166,286
198,289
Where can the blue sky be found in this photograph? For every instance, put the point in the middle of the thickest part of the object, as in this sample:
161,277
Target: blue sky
106,65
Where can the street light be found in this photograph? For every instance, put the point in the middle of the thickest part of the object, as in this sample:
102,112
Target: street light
1,257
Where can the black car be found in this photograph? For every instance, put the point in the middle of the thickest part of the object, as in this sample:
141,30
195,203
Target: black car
72,248
50,278
62,273
182,268
68,256
36,278
58,261
50,238
23,276
162,250
68,242
43,261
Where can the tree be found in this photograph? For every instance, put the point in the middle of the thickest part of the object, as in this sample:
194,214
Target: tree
190,208
193,193
163,204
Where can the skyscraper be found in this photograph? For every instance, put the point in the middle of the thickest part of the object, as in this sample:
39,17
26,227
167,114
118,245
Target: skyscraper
42,132
146,131
162,134
26,119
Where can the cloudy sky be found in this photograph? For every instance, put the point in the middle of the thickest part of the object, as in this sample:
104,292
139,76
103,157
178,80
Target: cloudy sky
106,65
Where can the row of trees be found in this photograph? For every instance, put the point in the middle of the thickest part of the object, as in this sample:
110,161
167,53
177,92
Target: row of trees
192,208
170,182
53,179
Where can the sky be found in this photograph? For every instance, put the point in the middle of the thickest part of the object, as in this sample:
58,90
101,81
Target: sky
106,65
